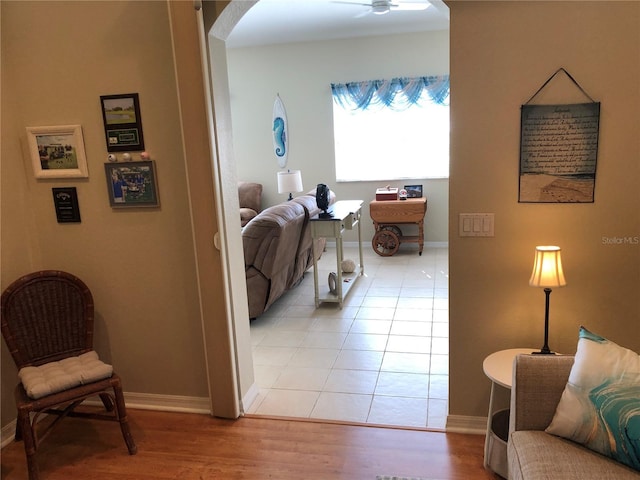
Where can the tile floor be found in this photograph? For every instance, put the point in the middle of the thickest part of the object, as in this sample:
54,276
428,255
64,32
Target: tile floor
381,359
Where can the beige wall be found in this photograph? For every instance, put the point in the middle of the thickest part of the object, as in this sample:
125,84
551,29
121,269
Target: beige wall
302,73
501,53
57,59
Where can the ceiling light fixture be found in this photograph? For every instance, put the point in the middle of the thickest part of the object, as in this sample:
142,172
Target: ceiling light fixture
380,7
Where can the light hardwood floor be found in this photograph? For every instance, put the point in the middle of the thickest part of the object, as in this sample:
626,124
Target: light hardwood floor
199,447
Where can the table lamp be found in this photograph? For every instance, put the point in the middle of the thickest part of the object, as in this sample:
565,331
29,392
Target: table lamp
547,273
290,181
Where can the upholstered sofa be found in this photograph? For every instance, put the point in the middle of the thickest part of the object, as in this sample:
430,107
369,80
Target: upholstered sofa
538,384
250,199
278,250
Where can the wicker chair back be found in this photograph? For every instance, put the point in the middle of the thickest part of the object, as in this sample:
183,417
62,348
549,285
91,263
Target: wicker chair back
47,316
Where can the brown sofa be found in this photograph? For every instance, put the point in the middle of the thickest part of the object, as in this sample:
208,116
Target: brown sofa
533,454
250,199
278,250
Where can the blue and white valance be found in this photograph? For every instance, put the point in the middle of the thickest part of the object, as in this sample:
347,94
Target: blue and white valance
397,93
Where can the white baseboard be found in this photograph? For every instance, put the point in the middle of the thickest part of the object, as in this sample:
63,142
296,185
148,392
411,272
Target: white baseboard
8,433
142,401
466,424
250,397
332,242
167,403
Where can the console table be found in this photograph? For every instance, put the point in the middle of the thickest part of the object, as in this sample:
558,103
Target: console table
346,215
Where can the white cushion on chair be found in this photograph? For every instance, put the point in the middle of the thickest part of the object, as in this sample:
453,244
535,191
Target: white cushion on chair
55,377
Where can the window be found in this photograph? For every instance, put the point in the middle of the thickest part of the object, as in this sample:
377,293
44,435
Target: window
386,130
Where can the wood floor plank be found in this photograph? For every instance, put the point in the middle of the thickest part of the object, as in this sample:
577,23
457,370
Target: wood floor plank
199,447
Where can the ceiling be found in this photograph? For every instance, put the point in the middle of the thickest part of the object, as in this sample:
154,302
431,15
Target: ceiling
285,21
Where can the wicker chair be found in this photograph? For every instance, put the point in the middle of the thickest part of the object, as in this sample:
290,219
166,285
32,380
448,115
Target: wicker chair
46,317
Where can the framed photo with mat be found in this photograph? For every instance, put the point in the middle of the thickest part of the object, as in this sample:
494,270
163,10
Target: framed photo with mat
122,122
57,152
132,184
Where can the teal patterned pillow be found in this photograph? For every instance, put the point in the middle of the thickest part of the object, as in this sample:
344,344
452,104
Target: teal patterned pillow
600,406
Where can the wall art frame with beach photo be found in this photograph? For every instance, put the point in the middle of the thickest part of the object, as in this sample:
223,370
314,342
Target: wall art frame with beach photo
57,151
558,150
132,184
122,122
559,153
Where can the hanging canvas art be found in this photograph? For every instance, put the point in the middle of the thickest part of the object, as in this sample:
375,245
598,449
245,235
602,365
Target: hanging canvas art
558,151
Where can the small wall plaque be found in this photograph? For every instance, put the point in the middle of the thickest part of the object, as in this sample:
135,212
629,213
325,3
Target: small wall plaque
65,201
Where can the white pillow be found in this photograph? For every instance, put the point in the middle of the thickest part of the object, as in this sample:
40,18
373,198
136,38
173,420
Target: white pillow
600,406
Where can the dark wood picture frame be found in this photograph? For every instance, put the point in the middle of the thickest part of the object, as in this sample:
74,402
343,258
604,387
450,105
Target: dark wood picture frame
122,122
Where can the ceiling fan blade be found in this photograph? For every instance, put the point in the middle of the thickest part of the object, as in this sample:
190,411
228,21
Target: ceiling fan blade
409,6
357,4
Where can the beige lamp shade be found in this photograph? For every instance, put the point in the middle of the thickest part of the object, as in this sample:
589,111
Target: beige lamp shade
290,181
547,268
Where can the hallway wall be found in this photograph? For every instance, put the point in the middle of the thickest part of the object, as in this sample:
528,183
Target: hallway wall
139,263
501,53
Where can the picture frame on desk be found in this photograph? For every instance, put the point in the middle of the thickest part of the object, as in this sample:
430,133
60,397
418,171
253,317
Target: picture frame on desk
413,191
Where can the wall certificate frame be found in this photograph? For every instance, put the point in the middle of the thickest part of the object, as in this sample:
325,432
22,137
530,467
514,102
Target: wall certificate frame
122,122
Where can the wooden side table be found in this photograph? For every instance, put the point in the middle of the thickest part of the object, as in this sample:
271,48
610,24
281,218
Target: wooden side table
498,367
388,214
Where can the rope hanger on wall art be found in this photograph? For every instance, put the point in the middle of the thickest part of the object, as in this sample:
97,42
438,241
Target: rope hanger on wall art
558,150
561,69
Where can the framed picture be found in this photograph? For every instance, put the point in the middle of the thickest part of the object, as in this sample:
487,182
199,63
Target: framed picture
558,153
57,152
122,122
132,184
413,191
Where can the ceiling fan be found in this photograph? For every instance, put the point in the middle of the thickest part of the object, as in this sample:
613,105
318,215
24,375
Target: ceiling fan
380,7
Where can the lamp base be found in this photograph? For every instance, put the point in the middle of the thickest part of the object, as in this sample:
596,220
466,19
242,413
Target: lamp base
545,347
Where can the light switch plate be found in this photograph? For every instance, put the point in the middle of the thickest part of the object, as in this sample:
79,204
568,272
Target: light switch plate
476,224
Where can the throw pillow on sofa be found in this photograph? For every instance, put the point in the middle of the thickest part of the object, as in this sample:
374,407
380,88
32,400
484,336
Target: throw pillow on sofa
600,405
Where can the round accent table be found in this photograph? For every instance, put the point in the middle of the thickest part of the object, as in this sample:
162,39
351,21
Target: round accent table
498,367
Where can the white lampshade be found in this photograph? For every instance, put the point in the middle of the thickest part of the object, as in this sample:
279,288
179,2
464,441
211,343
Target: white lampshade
547,268
290,181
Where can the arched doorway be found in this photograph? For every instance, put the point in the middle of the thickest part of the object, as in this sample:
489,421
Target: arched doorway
218,58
